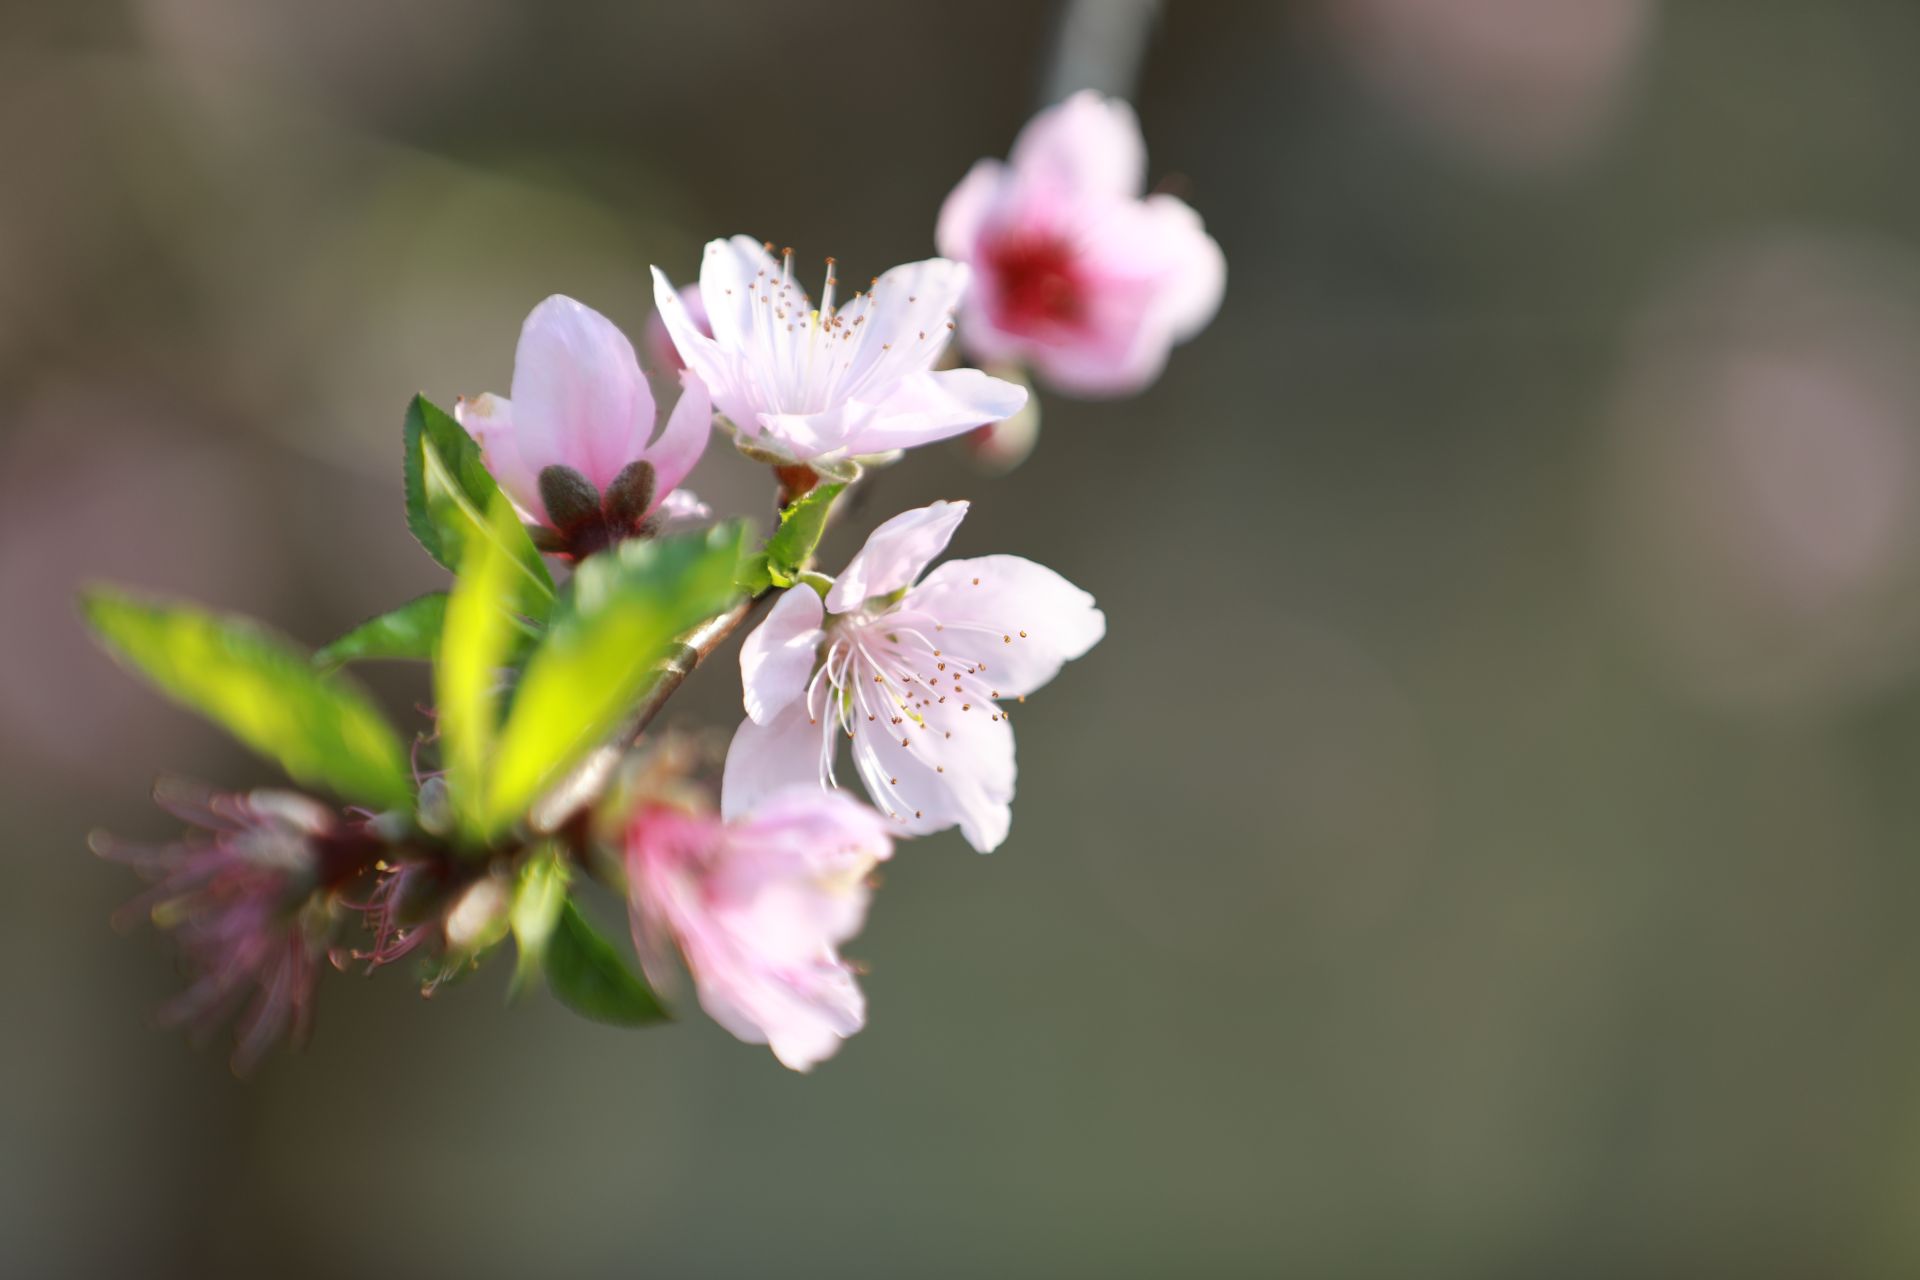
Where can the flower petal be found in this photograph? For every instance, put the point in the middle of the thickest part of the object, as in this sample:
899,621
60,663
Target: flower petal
579,397
924,407
966,209
1020,618
765,758
683,439
719,369
957,771
909,318
782,652
1087,145
489,420
895,554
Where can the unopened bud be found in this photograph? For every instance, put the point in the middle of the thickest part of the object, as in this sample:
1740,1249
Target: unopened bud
570,497
630,495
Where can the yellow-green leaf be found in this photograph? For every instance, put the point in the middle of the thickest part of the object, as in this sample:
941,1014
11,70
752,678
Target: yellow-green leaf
628,604
320,727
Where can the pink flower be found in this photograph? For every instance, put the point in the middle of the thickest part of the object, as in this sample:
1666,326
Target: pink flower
245,897
823,385
912,670
1078,275
572,447
758,907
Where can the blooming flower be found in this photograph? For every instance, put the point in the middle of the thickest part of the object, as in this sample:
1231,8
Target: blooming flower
1078,275
240,895
571,447
825,384
758,907
912,670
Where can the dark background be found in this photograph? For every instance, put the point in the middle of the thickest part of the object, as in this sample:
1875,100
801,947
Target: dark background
1483,845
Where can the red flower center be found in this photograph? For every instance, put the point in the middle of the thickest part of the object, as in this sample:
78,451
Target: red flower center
1038,282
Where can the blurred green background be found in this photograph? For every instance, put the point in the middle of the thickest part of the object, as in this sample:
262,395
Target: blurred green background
1483,846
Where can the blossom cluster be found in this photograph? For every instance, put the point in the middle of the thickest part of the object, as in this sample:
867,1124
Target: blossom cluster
543,772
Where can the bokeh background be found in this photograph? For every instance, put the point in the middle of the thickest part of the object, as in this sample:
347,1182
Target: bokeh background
1484,846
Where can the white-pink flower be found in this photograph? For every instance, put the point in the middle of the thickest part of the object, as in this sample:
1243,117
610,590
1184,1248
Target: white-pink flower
825,384
913,670
573,447
1076,274
758,908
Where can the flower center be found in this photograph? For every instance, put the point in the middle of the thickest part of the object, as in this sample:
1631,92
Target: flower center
812,357
1038,281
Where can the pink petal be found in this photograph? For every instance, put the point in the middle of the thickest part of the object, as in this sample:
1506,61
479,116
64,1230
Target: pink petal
966,209
1020,618
683,439
1087,144
777,659
895,554
489,420
579,397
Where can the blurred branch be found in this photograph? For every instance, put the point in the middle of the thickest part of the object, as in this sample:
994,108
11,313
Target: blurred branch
1099,44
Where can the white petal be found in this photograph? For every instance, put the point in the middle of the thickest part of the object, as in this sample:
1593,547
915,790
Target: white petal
728,270
719,369
579,397
782,652
925,407
1022,619
1086,145
956,771
909,320
895,554
765,758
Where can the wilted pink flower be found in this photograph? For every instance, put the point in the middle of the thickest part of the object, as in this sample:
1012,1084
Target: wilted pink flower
758,907
572,446
244,897
912,671
824,384
1077,275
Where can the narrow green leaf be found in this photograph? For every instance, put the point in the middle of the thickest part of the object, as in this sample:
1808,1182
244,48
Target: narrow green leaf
476,639
627,606
320,727
537,903
792,545
411,631
449,495
587,975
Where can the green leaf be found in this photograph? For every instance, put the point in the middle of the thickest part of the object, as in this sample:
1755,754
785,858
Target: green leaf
627,606
537,902
477,639
449,496
411,631
321,728
587,975
792,545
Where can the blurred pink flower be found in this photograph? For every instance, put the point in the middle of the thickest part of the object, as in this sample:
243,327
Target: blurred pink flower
1078,275
244,897
758,907
823,385
911,672
572,447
